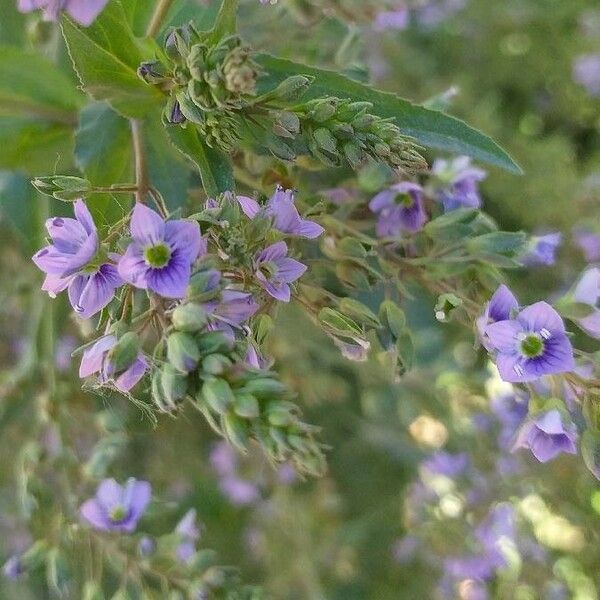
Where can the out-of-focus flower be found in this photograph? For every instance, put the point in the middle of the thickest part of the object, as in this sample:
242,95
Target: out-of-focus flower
586,72
63,350
281,208
146,546
542,249
499,308
404,549
117,507
96,360
275,271
448,464
547,435
189,532
13,568
458,183
589,243
162,253
531,345
587,291
397,19
82,11
239,491
399,208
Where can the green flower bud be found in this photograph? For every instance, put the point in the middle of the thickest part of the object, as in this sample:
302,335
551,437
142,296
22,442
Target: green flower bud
322,110
212,342
189,318
217,394
289,89
204,285
264,387
246,405
236,430
182,352
240,72
216,364
280,415
325,140
196,61
124,352
174,384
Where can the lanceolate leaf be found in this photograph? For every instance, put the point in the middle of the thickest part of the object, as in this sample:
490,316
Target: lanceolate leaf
106,56
214,166
431,128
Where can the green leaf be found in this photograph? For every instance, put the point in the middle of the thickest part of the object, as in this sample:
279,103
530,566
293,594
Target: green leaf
35,146
16,207
106,56
32,86
214,166
431,128
12,28
226,21
104,154
505,243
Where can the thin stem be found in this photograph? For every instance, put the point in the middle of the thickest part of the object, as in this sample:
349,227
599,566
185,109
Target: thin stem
141,169
160,12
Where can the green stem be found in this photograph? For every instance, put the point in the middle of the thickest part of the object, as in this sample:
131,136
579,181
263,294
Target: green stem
141,169
160,12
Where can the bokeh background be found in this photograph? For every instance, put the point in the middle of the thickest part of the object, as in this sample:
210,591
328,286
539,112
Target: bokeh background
381,524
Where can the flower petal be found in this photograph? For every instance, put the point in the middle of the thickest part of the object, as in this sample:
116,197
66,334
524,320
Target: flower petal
309,229
184,237
137,495
95,515
133,268
109,494
502,303
289,269
540,316
170,281
132,375
84,216
98,291
272,252
249,206
503,335
85,11
93,357
147,226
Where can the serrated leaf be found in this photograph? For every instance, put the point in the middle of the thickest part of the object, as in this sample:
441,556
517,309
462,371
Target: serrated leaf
431,128
106,56
214,166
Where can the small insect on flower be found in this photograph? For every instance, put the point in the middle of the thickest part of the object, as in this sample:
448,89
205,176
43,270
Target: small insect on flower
531,345
117,507
161,255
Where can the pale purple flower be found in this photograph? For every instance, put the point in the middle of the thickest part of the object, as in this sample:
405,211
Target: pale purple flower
161,255
405,548
589,243
146,546
586,72
447,464
511,410
117,507
499,308
95,360
281,208
238,491
274,271
396,19
531,345
223,459
587,291
13,568
74,243
399,208
234,307
189,533
434,12
63,350
458,183
82,11
547,435
542,249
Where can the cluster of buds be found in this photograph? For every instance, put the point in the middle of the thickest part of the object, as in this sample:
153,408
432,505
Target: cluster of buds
207,82
337,131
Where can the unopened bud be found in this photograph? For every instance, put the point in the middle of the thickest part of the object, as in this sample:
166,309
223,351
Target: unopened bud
189,318
182,352
217,394
124,353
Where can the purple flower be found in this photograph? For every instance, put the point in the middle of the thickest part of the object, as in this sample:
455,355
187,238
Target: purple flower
239,492
511,410
161,255
586,72
448,464
542,249
13,568
589,243
274,271
399,208
66,263
146,546
499,308
82,11
117,507
63,350
531,345
405,548
280,207
587,291
397,19
459,183
189,533
223,459
233,308
74,243
95,360
547,435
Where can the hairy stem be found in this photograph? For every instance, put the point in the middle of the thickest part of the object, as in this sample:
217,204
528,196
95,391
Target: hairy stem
141,169
160,12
